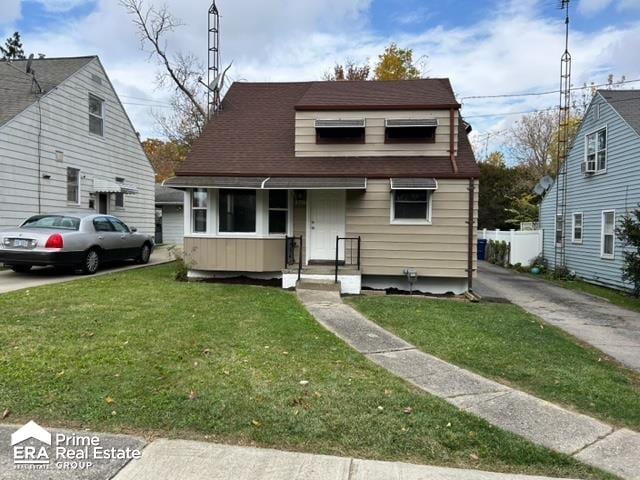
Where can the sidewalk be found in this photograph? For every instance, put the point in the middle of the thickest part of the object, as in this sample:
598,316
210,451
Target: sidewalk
539,421
187,460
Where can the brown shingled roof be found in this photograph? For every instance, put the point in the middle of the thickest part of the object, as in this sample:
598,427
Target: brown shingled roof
254,135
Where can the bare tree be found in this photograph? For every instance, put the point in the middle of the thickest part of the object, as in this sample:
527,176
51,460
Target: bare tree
531,139
189,116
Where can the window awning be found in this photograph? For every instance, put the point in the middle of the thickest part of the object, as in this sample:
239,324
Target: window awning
107,186
269,183
414,184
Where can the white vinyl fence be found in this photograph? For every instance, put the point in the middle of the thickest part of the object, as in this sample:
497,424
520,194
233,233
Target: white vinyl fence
525,245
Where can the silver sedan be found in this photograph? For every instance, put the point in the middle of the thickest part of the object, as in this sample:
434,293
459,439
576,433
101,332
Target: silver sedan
82,241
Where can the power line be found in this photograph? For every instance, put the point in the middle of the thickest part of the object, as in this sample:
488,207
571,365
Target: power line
548,92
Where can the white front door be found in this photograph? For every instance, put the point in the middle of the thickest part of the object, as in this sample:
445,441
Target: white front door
326,222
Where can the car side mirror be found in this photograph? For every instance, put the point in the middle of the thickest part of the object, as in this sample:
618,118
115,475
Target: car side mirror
134,229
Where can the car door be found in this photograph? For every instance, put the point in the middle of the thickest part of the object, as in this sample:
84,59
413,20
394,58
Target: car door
129,244
107,237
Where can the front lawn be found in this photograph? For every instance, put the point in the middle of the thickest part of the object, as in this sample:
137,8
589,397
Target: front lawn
505,343
139,352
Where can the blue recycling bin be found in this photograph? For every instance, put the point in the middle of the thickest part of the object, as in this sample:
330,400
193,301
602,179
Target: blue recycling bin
482,249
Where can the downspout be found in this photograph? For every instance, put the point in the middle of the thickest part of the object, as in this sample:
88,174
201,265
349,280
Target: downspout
452,134
472,189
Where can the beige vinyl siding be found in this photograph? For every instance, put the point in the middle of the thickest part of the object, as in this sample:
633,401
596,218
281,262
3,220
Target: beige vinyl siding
235,254
374,143
436,250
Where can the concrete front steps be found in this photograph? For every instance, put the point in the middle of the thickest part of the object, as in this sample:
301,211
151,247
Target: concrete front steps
349,279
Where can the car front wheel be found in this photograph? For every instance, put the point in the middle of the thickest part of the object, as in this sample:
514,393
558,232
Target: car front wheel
21,268
145,253
91,262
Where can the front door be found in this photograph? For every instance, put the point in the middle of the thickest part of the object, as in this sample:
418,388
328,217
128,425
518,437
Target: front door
326,222
103,203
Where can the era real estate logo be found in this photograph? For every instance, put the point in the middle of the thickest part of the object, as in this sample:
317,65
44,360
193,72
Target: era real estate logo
34,448
24,454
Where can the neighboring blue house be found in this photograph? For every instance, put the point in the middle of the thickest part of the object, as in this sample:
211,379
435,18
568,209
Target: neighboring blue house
603,184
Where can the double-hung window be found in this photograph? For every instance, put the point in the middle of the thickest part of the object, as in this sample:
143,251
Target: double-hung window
119,196
576,236
596,151
237,211
559,229
96,117
199,202
73,185
278,211
409,206
607,239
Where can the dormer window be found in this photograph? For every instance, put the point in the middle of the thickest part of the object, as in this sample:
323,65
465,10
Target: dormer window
340,131
410,131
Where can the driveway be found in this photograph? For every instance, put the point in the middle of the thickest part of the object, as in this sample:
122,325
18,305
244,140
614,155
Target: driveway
611,329
10,280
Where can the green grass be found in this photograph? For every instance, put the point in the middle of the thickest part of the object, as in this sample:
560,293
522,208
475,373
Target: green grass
140,352
503,342
615,297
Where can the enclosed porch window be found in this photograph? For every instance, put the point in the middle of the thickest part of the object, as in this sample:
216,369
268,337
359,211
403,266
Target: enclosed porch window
237,211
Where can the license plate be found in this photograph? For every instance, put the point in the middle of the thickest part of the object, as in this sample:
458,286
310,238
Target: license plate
20,243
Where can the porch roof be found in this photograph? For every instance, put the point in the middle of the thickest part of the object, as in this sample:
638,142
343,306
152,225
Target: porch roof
269,183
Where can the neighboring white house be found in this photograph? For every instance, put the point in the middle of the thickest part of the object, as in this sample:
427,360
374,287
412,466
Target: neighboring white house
67,144
169,215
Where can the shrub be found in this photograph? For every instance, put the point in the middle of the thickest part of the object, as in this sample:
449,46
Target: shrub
628,232
183,264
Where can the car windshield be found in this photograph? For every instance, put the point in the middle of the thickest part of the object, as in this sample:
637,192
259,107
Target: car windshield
58,222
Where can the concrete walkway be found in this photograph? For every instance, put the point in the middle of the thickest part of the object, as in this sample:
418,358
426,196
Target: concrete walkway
186,460
587,439
11,281
611,329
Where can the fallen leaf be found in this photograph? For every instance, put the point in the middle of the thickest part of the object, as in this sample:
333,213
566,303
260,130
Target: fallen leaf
304,382
285,353
473,456
206,351
60,373
109,400
317,394
256,423
226,372
192,395
195,364
449,424
113,412
5,414
380,408
408,410
387,392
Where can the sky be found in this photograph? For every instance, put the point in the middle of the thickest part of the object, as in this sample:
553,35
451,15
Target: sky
486,47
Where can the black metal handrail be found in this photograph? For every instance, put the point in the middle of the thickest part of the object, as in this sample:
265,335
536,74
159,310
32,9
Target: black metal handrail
351,241
290,252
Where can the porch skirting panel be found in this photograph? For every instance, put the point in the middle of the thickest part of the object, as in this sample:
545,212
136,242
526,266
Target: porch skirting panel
235,254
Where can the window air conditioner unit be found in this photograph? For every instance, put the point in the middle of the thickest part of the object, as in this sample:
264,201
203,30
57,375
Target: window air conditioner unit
589,167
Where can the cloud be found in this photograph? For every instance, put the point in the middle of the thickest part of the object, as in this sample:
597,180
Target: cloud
590,7
513,49
9,12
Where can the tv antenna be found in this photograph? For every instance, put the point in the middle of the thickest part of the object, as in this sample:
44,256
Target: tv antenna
213,61
563,146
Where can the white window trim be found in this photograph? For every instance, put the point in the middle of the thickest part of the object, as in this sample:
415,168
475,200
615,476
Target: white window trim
411,221
612,255
213,231
555,229
79,181
206,208
573,227
101,116
115,196
606,149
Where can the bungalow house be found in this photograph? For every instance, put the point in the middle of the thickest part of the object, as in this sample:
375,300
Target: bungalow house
67,144
603,184
372,184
